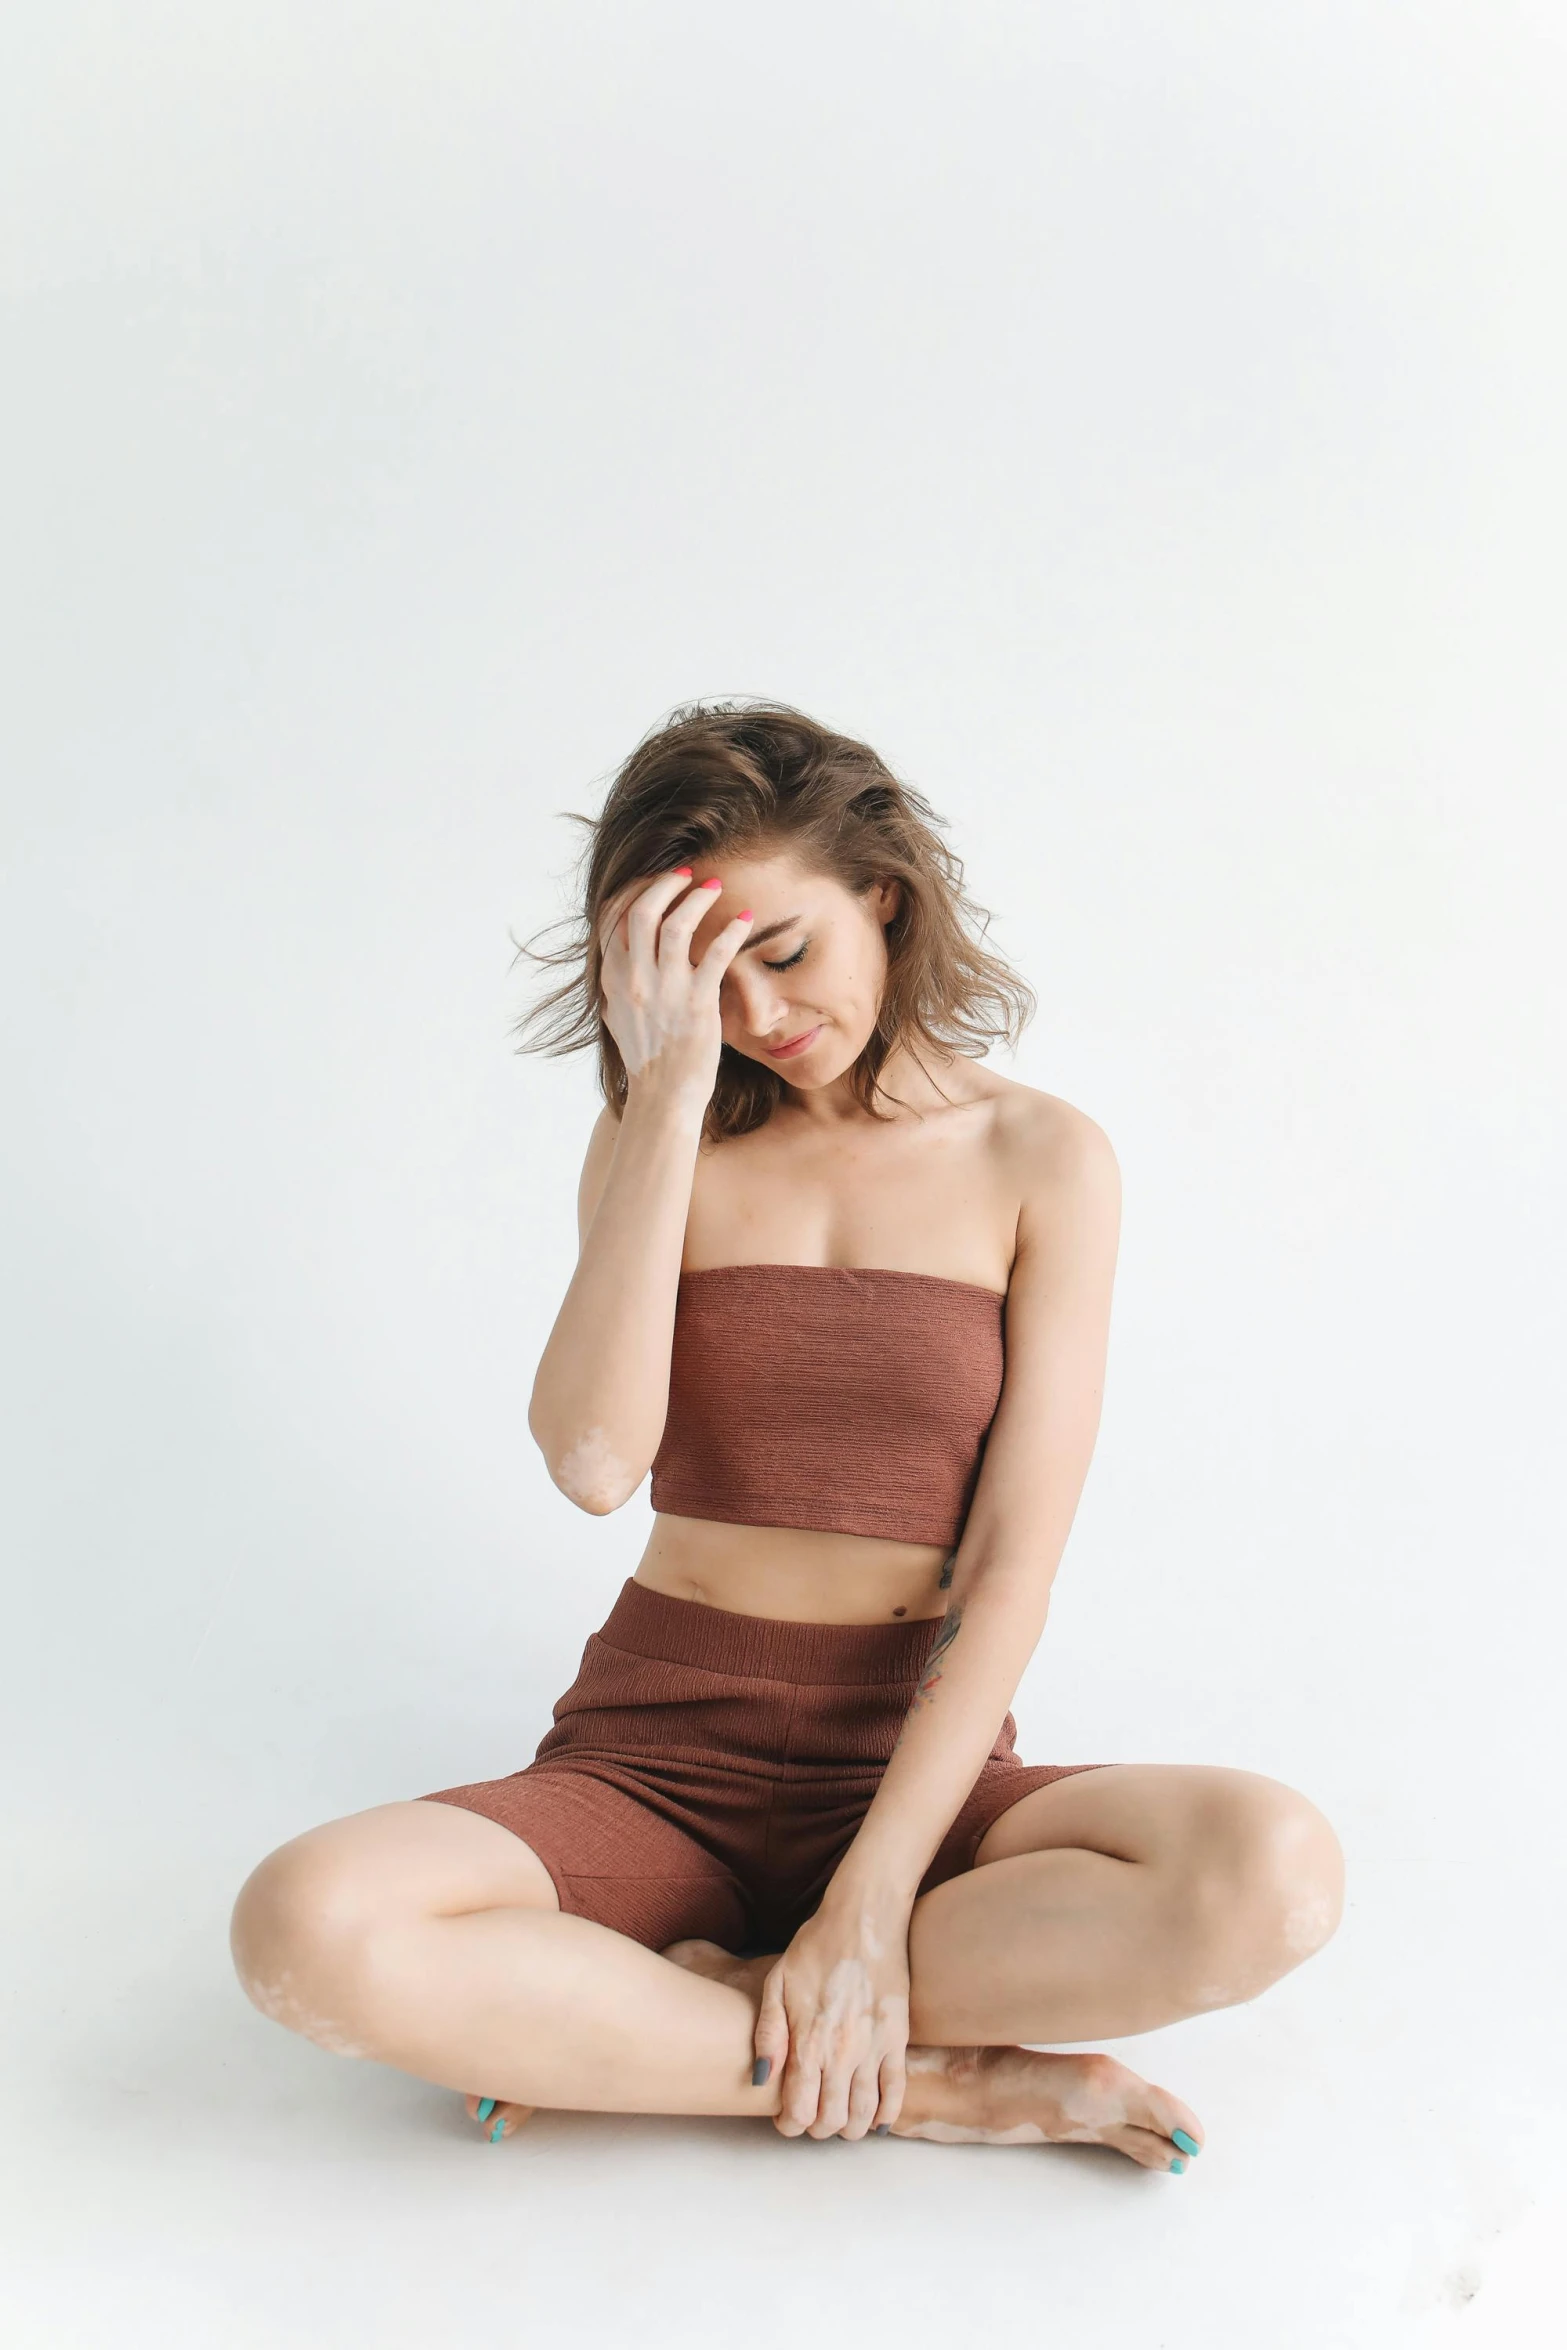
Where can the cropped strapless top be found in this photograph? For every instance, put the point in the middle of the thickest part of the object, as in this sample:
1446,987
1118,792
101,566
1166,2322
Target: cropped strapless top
854,1399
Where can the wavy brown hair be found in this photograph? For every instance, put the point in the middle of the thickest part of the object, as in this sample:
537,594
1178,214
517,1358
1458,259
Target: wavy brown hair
723,779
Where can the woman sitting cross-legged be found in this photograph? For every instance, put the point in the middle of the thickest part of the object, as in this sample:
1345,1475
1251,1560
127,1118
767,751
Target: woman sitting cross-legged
845,1291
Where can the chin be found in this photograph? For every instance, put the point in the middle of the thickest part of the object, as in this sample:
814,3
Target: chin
813,1069
816,1068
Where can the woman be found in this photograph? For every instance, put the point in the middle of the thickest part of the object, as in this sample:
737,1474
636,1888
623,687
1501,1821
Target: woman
846,1292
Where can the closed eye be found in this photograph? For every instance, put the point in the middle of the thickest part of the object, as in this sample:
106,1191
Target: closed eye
790,963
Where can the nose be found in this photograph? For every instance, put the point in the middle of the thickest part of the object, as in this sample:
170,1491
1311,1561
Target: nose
754,1000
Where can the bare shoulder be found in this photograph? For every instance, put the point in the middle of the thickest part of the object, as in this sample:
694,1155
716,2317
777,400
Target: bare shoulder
1059,1166
1048,1144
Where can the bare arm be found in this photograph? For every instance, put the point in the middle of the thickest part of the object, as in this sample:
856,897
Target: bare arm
1036,1463
835,2006
601,1392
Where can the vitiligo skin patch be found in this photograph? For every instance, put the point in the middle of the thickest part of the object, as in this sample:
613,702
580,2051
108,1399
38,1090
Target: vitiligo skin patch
593,1475
276,1997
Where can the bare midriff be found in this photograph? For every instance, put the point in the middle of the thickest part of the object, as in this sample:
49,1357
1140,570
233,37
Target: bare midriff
794,1574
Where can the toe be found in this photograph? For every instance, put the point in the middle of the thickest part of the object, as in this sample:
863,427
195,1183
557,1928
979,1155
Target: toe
1167,2114
496,2118
1146,2147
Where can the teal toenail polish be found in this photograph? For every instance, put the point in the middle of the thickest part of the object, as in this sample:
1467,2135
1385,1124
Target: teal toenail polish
1187,2145
760,2070
486,2108
500,2124
1179,2163
882,2129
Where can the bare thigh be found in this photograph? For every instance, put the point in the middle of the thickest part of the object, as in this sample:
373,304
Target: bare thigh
1198,1824
307,1910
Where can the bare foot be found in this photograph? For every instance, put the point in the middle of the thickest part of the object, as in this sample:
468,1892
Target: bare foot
1026,2096
496,2118
1009,2096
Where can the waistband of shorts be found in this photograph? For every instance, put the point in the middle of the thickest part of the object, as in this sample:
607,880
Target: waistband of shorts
764,1648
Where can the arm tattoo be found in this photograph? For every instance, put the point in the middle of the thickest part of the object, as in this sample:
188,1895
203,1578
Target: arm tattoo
950,1626
944,1579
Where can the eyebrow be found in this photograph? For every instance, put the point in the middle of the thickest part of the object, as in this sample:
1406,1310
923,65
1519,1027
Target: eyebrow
759,938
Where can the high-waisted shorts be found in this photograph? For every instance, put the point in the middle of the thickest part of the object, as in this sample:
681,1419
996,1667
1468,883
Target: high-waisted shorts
707,1771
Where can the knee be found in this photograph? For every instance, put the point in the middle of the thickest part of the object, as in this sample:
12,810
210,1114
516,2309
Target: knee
299,1937
1265,1888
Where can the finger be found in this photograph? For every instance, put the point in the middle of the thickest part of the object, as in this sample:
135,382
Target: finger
770,2040
611,922
864,2097
723,948
676,929
647,908
799,2097
832,2110
615,915
894,2079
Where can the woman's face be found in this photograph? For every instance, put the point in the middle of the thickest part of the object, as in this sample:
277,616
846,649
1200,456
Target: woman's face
802,994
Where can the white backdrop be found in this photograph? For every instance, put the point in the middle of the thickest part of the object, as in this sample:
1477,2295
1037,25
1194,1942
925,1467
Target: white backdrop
1143,425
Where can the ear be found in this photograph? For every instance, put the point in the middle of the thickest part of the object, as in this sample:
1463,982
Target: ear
887,901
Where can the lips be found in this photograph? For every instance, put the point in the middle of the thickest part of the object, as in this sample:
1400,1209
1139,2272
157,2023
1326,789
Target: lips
795,1044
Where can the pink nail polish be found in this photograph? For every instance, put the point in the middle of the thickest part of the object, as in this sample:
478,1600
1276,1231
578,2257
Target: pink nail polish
712,885
744,914
682,872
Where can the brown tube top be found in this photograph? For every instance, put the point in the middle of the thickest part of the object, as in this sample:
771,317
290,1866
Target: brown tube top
855,1399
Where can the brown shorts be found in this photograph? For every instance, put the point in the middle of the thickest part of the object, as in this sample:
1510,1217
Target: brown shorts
707,1770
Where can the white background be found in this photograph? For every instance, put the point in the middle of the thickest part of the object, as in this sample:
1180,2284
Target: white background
1144,426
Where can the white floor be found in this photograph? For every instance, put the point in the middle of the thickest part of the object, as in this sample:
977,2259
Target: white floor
1384,2165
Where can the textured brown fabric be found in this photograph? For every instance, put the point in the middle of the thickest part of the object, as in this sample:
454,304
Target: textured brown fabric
823,1395
707,1771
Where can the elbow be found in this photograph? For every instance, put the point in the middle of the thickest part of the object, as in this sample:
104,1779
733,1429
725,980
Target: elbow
590,1471
598,1501
599,1496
